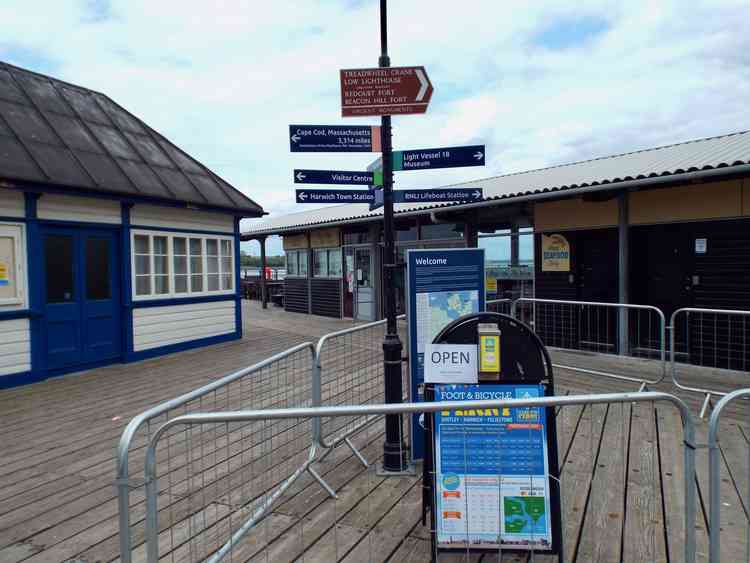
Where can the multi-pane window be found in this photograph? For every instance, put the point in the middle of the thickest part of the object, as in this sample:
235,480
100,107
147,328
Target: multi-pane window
296,263
327,263
178,265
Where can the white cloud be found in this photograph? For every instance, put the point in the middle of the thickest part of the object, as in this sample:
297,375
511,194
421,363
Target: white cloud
224,79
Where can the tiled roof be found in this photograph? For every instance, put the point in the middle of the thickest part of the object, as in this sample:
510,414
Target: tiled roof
703,154
55,133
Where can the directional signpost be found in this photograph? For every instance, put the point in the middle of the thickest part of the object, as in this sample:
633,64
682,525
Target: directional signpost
445,157
384,91
436,196
338,177
335,196
376,165
334,138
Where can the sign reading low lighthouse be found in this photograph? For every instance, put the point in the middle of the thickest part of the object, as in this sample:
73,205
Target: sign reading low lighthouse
396,90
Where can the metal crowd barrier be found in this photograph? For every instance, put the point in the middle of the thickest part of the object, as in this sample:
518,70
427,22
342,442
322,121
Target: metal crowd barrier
502,306
283,380
714,476
611,328
714,338
233,520
348,369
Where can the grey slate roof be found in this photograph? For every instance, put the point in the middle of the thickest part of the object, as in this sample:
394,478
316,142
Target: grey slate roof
702,154
55,133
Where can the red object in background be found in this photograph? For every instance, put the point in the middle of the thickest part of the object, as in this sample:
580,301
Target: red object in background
269,273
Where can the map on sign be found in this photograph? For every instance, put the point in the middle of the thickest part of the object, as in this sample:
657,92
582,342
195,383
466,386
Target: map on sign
436,310
525,515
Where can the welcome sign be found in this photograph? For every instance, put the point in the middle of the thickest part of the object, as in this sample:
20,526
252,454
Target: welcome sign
555,254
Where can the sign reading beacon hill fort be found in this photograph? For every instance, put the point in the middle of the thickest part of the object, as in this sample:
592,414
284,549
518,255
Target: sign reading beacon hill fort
384,91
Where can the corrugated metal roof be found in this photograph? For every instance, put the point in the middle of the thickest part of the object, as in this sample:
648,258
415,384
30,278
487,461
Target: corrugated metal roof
57,133
702,154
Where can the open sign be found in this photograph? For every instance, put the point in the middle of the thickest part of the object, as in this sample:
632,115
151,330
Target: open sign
450,363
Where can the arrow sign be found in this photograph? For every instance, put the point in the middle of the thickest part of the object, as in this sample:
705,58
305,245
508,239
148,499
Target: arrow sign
334,138
342,178
437,195
384,91
335,196
446,157
376,165
378,202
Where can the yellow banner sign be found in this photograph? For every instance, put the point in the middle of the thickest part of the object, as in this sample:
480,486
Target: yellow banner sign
490,284
555,254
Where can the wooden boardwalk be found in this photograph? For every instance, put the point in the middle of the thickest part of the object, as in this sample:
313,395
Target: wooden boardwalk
621,467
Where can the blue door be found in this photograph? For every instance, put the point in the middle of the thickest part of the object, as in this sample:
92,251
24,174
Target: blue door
82,310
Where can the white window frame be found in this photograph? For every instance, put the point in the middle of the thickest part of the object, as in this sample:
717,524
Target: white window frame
17,232
297,252
328,251
171,294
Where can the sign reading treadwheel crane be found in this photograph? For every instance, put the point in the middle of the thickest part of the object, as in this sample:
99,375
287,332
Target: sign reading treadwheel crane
395,90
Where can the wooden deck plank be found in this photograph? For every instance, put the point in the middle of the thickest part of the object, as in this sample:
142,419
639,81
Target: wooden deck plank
577,475
601,537
644,521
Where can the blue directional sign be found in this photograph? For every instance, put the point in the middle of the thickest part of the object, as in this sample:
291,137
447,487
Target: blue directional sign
335,196
338,177
334,138
446,157
437,195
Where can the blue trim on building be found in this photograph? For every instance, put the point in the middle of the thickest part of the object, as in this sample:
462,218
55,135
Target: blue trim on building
36,310
19,314
182,346
126,284
181,301
186,231
237,284
9,219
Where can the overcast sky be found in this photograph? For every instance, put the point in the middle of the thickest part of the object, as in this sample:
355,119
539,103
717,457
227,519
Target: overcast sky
540,83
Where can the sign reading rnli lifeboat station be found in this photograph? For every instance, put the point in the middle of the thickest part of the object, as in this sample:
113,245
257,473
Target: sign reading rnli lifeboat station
555,254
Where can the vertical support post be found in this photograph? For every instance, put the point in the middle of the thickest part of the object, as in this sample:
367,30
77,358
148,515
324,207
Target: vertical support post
263,289
514,243
34,258
394,452
623,273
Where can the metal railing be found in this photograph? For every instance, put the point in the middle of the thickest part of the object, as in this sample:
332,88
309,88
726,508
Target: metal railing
348,369
283,380
612,328
715,479
214,534
502,306
713,338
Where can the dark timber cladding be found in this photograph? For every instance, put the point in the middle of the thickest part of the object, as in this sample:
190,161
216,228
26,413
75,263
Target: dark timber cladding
296,298
52,132
325,297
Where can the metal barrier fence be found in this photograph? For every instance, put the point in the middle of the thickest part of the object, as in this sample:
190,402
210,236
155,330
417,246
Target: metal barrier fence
281,381
734,463
231,519
502,306
610,328
348,368
713,338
